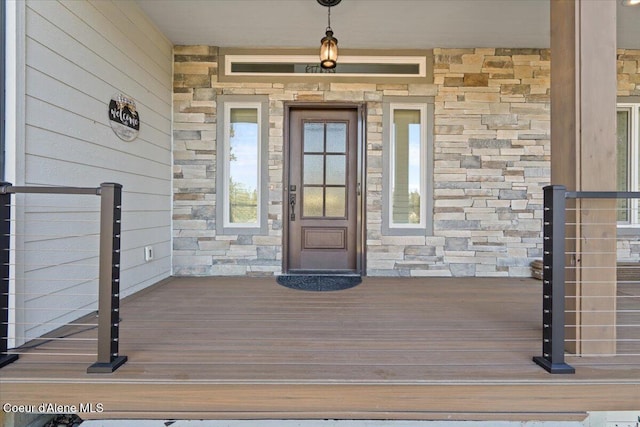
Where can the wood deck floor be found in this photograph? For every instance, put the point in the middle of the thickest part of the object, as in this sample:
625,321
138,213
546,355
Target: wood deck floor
388,348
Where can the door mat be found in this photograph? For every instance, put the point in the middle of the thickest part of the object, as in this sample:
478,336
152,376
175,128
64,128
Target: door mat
318,283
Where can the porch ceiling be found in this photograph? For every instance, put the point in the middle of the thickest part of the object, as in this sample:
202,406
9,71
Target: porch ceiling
409,24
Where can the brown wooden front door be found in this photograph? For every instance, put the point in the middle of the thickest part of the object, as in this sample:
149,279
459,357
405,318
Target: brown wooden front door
323,191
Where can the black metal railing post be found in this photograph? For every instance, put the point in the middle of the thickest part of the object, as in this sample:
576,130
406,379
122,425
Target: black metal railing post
5,269
553,279
109,358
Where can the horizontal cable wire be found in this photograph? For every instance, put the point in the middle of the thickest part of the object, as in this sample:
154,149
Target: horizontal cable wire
587,223
593,238
81,281
603,355
33,267
627,282
85,310
592,253
53,338
603,326
600,209
58,209
618,340
66,250
48,324
51,236
602,311
601,296
32,353
51,294
43,221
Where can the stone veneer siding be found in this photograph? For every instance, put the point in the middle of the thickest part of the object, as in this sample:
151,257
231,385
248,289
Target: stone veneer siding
628,72
491,160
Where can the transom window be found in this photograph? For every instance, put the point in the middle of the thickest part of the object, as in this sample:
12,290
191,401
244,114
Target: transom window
356,66
302,65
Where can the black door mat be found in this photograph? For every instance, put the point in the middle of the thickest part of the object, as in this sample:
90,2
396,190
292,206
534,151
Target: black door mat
319,282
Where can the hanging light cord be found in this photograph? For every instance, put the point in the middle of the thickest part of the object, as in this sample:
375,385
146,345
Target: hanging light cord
329,19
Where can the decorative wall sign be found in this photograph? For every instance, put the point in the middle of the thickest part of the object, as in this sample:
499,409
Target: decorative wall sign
124,118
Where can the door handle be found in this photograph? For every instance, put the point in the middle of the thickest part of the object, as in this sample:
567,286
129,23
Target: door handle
292,203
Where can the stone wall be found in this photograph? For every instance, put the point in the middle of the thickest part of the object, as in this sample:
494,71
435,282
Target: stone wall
491,160
492,155
628,72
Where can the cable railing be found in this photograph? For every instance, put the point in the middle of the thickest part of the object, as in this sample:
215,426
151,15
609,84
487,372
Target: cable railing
591,300
84,293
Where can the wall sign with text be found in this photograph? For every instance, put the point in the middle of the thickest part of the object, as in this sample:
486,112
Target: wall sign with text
124,118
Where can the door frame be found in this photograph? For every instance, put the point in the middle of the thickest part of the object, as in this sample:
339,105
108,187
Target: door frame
360,108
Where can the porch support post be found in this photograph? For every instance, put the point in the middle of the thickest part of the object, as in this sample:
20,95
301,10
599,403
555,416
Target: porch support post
109,358
583,158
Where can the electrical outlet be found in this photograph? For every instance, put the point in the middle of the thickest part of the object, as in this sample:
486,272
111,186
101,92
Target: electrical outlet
148,253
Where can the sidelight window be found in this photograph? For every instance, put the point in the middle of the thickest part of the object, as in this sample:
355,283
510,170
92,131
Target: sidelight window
407,155
628,167
241,156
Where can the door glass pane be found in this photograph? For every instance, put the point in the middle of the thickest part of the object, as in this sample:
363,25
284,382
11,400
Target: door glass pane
337,169
244,165
407,174
312,201
313,169
336,137
313,137
622,180
335,202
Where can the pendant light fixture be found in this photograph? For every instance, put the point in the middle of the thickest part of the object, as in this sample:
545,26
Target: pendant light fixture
328,44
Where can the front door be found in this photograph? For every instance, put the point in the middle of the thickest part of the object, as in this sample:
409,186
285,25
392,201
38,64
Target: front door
323,191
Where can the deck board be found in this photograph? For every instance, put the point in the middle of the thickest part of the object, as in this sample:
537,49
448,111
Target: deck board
389,348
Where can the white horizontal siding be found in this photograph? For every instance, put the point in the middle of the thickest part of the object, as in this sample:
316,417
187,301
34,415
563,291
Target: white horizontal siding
92,50
78,55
